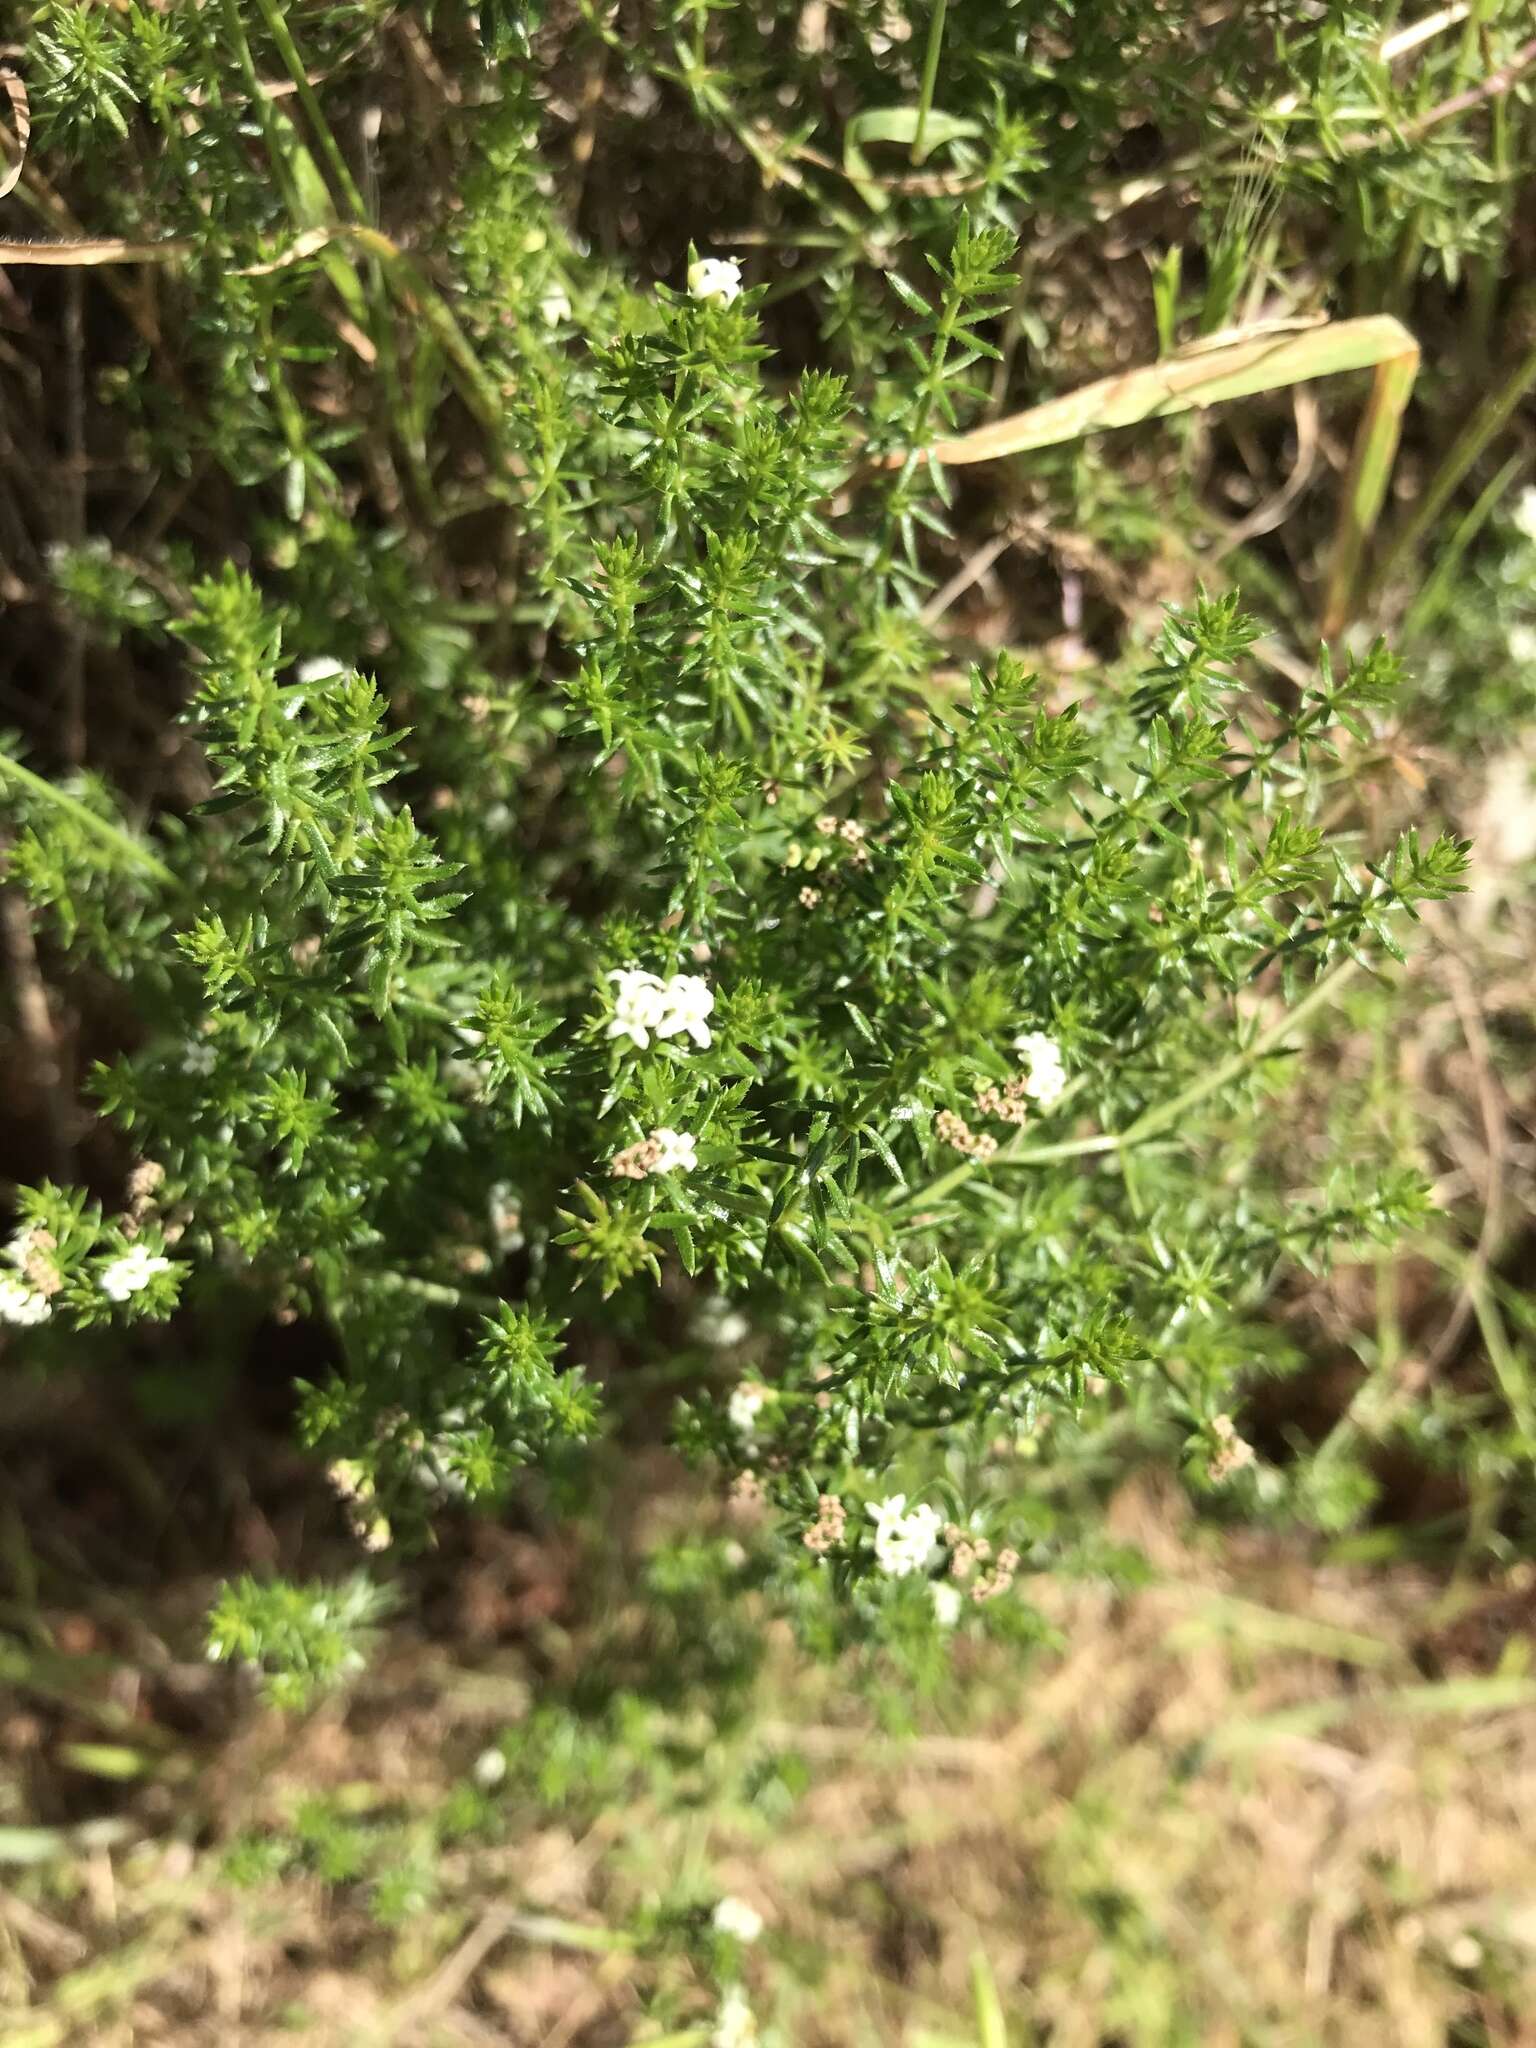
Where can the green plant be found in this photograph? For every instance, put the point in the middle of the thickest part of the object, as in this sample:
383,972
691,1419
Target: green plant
603,941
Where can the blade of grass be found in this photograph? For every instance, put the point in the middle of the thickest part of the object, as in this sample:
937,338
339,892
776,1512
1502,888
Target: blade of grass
930,76
100,829
991,2028
1241,366
1436,592
1365,487
1486,423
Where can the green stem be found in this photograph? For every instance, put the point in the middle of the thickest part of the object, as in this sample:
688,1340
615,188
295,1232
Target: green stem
1161,1114
330,148
930,76
1431,600
99,828
276,154
1485,424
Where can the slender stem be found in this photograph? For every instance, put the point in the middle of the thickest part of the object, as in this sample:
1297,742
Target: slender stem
330,148
930,76
99,828
1432,597
1161,1114
1370,469
282,171
1485,424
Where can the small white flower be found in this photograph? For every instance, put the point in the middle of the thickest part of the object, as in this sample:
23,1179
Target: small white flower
1045,1076
197,1057
735,2026
1524,514
315,668
904,1542
1522,643
132,1273
743,1408
638,1006
719,1324
490,1769
23,1305
948,1601
554,307
715,277
678,1153
734,1916
687,1000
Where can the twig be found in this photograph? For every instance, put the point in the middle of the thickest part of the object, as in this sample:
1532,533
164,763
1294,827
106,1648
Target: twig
1464,998
72,492
968,573
21,115
1265,517
1488,88
35,1021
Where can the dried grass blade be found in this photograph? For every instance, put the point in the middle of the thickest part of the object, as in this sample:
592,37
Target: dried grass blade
1241,368
21,120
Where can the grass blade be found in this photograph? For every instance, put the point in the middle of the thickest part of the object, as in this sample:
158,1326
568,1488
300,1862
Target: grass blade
1241,365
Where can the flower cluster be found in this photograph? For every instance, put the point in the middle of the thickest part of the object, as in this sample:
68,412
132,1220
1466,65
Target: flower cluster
21,1304
948,1602
747,1402
28,1300
735,2024
664,1151
122,1278
829,1527
715,277
355,1489
971,1563
1006,1103
1044,1075
953,1129
646,1007
905,1539
849,831
736,1918
1233,1453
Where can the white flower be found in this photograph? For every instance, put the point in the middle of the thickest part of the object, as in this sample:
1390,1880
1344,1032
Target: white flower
554,307
132,1273
744,1407
720,1324
490,1769
734,2025
638,1007
645,1006
688,1000
315,668
948,1600
715,277
1522,643
735,1916
197,1057
904,1541
22,1304
1524,514
677,1152
1045,1076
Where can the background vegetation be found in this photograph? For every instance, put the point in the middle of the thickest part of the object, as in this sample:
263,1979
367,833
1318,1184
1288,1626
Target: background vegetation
321,337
